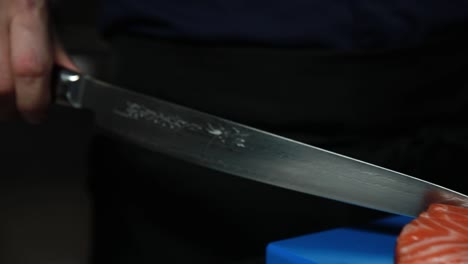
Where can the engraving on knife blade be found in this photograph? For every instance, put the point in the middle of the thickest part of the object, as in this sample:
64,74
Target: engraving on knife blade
225,135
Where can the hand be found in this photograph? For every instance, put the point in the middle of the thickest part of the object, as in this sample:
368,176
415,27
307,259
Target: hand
28,51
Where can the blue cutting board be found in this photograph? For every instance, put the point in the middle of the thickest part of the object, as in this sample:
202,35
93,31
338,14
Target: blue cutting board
368,244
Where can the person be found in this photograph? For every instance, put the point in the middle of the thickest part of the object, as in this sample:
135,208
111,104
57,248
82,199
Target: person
382,81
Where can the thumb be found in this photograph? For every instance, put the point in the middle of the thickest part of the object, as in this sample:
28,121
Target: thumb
61,57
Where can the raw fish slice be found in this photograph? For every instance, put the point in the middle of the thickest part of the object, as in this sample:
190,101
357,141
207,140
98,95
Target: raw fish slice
439,235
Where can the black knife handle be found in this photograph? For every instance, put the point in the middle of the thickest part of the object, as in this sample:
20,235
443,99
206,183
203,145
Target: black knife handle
67,87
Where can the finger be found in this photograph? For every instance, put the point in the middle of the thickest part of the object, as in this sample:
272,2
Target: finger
31,57
62,58
7,100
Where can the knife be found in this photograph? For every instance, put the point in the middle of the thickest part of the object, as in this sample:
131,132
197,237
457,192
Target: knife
244,151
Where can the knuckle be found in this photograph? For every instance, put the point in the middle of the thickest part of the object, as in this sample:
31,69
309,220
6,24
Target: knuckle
31,66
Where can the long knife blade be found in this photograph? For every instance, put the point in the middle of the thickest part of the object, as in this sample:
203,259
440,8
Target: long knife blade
240,150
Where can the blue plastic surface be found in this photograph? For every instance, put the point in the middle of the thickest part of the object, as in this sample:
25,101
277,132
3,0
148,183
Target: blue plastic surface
367,244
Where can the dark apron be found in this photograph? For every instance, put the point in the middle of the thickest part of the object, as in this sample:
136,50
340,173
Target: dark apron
402,109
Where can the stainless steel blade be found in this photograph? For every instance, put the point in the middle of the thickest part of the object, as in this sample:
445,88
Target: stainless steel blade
247,152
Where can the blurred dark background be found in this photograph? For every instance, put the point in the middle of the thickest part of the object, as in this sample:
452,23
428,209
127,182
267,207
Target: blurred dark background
44,206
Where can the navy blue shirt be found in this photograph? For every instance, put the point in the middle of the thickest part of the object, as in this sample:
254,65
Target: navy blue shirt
335,24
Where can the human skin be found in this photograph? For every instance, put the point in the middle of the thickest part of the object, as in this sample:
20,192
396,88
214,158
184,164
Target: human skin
28,51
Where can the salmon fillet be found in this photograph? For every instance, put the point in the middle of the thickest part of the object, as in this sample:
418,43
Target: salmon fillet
439,235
